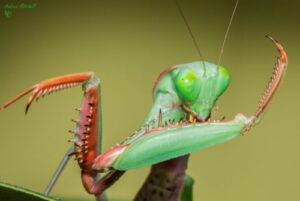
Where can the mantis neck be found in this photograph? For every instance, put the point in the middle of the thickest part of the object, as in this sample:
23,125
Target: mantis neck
166,104
166,180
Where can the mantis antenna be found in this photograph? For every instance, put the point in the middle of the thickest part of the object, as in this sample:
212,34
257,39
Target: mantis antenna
227,31
190,32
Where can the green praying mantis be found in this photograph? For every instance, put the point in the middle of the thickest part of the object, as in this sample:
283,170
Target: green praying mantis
177,125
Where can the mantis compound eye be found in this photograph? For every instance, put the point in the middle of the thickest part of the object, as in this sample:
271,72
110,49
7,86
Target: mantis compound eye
187,84
224,80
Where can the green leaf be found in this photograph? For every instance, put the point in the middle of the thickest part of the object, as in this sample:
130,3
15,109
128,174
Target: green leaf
14,193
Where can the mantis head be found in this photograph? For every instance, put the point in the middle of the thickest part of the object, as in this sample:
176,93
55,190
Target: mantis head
195,87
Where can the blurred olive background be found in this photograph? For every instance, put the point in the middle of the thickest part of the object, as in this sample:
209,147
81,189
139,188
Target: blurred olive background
127,44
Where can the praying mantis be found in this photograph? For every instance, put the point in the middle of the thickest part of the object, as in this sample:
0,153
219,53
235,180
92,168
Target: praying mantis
177,125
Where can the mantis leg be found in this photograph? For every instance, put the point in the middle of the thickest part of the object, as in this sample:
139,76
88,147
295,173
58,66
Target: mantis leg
88,132
96,187
59,170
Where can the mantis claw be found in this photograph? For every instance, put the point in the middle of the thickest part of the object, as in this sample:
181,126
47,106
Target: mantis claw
49,86
277,76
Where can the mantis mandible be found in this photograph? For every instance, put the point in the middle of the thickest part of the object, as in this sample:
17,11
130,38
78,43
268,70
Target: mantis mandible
177,124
